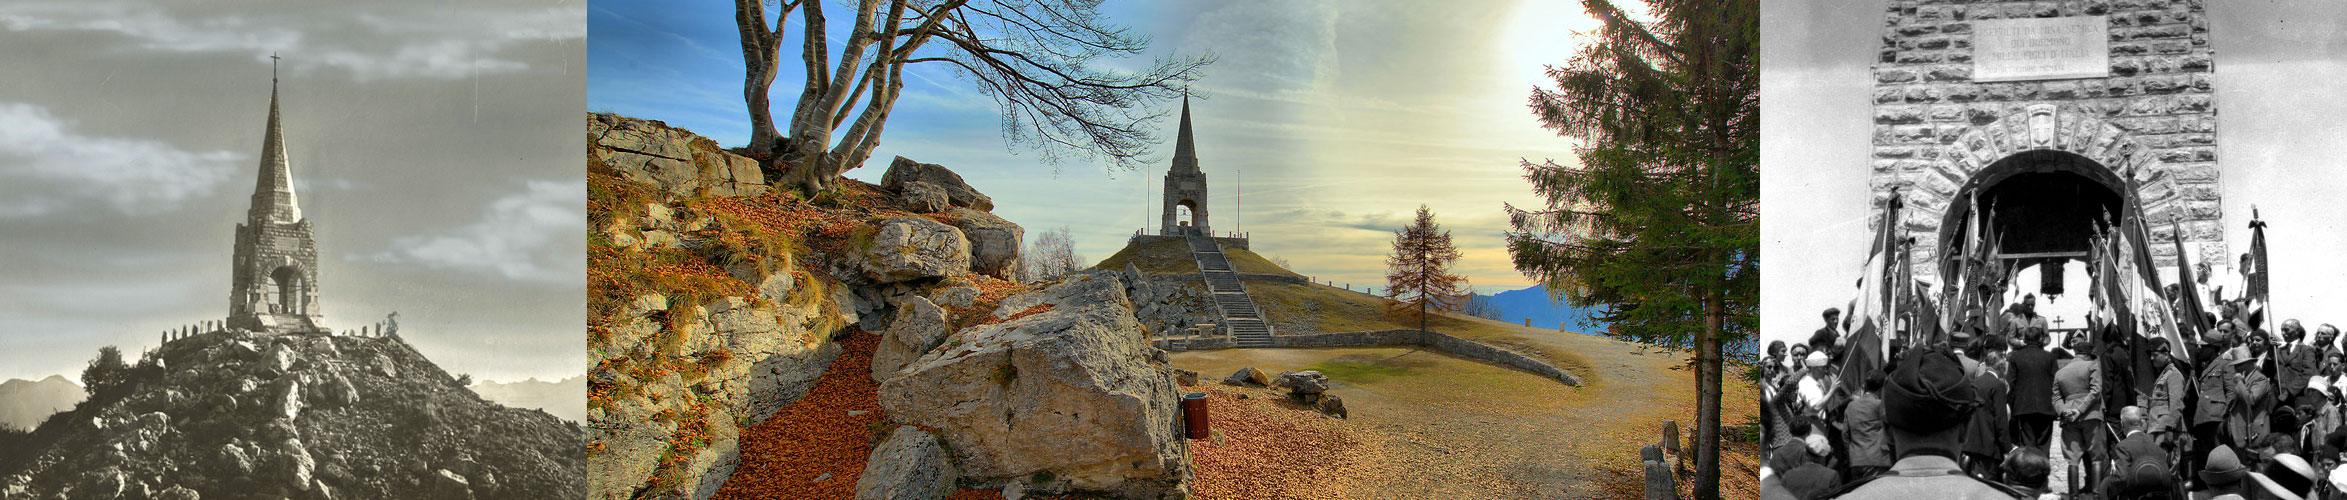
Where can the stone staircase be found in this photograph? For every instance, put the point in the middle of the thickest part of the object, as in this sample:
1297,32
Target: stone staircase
1246,324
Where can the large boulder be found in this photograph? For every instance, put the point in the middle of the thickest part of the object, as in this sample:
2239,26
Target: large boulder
671,159
908,466
994,242
1073,367
919,327
910,248
1247,376
922,197
957,192
1303,382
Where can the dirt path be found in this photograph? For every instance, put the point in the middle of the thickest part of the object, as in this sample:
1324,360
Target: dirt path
1440,426
1458,428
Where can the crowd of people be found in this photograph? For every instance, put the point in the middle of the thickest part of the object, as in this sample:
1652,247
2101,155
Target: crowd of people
1974,411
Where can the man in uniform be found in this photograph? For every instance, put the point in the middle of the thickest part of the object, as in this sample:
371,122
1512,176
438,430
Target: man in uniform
2165,404
2215,391
2078,398
1927,402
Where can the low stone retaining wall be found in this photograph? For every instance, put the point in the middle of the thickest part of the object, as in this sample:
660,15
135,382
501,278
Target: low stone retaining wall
1227,242
1434,340
1300,280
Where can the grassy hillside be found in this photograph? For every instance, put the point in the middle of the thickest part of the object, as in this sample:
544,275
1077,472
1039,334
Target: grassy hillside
1173,257
1160,257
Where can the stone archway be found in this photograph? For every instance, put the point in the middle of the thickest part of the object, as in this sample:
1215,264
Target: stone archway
288,290
2035,144
1190,215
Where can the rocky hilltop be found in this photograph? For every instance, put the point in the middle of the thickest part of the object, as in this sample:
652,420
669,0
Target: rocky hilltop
719,307
235,414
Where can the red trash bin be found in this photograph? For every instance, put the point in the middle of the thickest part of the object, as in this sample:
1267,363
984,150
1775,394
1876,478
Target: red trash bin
1194,416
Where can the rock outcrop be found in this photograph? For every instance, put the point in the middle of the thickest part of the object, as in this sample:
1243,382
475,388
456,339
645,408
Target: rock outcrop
1168,303
919,327
908,466
910,248
675,370
958,193
1066,364
236,414
671,159
994,242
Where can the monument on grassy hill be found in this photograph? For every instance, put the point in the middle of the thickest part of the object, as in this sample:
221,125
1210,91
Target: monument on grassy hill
1185,186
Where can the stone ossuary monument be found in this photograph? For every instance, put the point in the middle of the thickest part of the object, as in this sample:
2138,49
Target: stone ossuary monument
274,288
2046,120
1185,186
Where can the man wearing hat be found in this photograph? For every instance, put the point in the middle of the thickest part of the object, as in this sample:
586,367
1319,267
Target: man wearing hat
1926,401
1824,339
2287,477
2033,391
2216,395
2078,398
2165,404
2223,477
2253,398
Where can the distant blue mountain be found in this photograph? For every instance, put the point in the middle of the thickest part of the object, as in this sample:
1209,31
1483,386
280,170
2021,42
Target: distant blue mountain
1516,306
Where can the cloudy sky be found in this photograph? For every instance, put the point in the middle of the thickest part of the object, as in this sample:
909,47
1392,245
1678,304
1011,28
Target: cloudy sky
2281,67
434,146
1343,116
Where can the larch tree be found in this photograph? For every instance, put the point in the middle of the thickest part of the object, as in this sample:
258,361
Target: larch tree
1035,58
1418,276
1659,217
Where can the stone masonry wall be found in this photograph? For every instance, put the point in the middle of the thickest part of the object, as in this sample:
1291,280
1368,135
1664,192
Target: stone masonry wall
1435,340
2153,118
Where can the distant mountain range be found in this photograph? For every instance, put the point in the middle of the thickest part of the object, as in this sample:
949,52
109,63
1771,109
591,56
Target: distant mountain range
565,399
1517,306
25,403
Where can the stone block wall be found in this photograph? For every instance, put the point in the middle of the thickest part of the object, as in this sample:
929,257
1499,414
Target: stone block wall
1434,340
2153,119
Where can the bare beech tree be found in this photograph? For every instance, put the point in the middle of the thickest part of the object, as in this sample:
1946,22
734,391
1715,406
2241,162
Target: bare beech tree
1052,255
1032,57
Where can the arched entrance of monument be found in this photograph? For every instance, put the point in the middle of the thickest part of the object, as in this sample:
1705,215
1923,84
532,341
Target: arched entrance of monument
288,289
2045,207
1186,215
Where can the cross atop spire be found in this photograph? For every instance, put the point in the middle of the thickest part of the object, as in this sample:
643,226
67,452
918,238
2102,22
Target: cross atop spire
272,71
273,199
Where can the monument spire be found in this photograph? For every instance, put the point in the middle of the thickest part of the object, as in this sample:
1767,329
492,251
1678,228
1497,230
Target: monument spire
273,199
1185,154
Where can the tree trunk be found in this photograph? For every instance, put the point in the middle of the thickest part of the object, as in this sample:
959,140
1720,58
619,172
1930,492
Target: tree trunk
1707,412
761,52
762,131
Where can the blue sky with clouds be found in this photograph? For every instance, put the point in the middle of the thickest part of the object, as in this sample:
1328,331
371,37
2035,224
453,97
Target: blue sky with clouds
1342,117
435,149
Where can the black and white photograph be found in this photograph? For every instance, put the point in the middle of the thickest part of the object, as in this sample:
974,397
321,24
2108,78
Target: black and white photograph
278,249
2069,249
